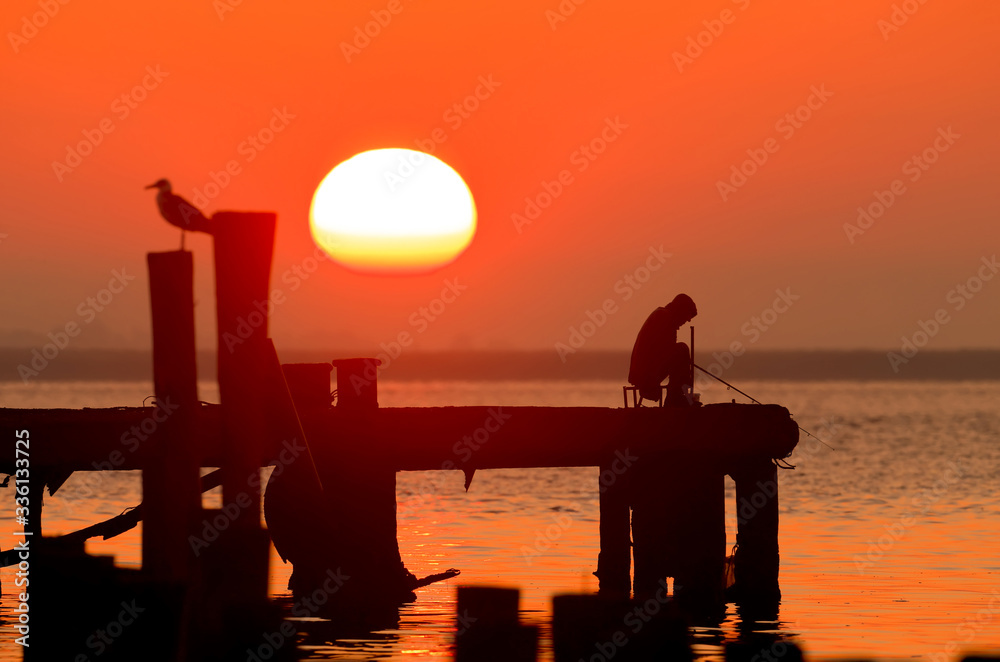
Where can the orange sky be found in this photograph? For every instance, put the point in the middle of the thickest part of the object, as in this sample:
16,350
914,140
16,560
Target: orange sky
554,86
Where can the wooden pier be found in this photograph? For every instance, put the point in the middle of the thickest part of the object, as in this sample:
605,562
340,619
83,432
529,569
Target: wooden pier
330,503
687,450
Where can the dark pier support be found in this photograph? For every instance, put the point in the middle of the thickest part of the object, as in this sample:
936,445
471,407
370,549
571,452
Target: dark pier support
614,561
244,242
604,627
488,627
364,496
171,486
698,540
236,564
757,557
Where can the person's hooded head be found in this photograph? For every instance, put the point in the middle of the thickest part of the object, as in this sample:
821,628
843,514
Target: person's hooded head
682,309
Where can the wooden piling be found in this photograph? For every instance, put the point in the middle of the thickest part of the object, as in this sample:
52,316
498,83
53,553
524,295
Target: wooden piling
308,384
757,557
601,627
615,557
170,478
362,492
698,540
488,628
357,383
244,243
295,505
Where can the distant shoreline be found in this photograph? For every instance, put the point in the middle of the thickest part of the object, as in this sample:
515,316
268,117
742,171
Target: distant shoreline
818,365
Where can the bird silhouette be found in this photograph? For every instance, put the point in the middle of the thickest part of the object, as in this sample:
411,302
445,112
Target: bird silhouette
178,211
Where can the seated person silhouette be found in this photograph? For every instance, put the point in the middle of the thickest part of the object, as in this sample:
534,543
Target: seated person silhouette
657,355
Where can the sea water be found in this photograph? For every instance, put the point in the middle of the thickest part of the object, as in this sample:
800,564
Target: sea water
890,541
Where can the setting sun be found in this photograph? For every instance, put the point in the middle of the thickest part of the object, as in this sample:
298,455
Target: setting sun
393,211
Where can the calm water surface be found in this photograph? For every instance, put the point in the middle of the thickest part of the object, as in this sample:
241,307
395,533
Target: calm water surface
889,544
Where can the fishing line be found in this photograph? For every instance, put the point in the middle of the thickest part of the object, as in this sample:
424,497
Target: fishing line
747,395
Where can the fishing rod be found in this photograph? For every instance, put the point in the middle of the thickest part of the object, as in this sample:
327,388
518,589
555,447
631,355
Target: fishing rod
747,395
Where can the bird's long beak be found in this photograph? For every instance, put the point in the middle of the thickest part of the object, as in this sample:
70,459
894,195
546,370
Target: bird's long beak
151,186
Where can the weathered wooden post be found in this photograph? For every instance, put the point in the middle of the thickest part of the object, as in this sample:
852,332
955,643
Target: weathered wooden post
357,384
295,506
237,561
363,495
757,557
170,478
699,535
244,243
488,627
308,384
615,557
603,627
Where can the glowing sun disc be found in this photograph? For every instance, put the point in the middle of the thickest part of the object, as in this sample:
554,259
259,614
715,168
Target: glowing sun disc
393,211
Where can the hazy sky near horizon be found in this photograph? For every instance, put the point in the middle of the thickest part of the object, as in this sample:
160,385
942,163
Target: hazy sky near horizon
647,111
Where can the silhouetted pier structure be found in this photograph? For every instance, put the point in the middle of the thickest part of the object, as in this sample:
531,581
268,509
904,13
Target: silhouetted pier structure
330,504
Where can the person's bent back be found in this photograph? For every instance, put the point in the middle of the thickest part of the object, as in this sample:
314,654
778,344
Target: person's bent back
657,355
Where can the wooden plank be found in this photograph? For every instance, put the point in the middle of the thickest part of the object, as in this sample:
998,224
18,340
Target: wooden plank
103,439
427,438
514,437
